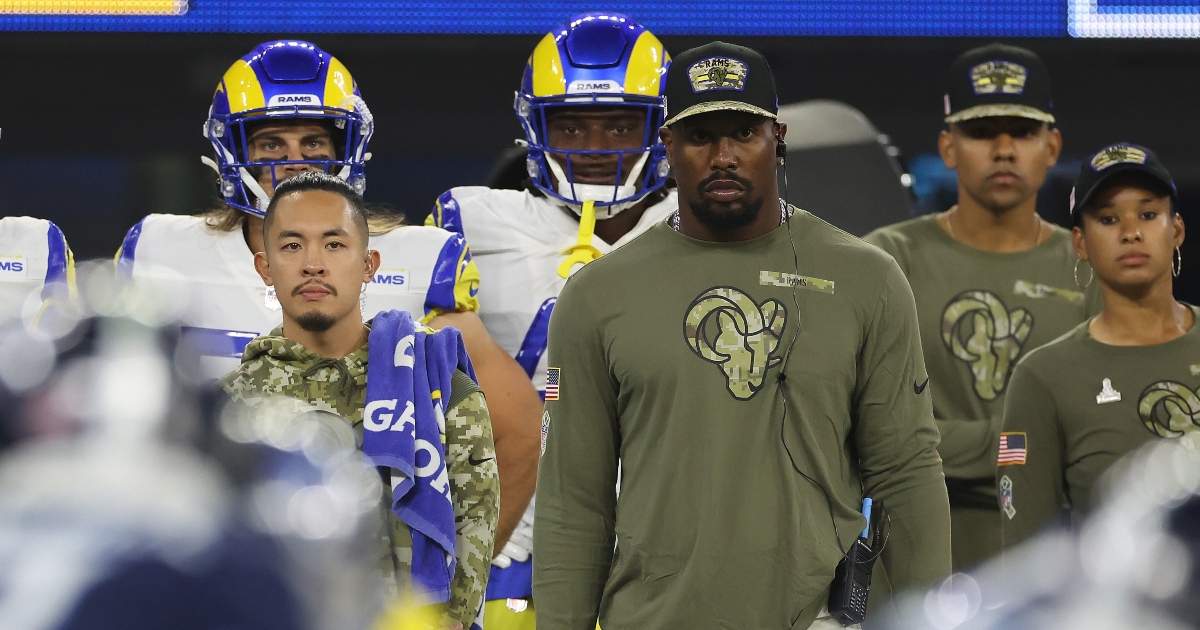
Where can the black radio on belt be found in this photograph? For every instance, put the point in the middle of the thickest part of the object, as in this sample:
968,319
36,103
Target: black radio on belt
852,579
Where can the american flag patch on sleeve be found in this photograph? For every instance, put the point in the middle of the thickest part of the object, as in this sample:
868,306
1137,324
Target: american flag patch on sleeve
552,383
1012,449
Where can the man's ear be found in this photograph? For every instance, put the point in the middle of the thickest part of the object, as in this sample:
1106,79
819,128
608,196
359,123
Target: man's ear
263,268
1054,144
372,265
668,139
946,149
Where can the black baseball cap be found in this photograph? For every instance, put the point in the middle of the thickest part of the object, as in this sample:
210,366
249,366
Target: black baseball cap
998,80
720,77
1113,160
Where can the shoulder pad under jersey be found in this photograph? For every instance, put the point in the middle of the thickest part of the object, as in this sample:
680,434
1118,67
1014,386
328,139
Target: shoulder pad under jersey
454,284
453,280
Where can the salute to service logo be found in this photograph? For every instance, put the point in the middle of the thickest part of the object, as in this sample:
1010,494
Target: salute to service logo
727,327
718,73
1004,77
1118,154
980,330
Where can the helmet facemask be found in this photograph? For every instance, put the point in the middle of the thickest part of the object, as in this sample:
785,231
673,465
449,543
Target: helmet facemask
280,81
647,173
351,129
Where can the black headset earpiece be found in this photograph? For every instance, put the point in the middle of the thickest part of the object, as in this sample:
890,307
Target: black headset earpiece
781,149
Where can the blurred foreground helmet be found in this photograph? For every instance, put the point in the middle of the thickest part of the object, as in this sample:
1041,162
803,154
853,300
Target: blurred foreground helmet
598,60
285,80
1135,562
130,498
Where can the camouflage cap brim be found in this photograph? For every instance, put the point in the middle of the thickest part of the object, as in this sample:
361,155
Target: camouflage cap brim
718,106
1000,109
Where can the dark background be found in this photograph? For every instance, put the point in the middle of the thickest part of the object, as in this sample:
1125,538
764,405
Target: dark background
101,129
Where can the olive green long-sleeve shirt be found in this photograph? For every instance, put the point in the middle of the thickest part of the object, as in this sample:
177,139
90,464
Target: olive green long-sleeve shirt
979,313
1077,405
276,365
739,488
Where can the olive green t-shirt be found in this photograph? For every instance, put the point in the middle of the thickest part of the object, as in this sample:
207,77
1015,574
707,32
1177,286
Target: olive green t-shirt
1077,405
979,313
739,490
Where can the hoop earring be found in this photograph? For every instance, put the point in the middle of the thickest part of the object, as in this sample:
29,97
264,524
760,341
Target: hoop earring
1177,264
1091,275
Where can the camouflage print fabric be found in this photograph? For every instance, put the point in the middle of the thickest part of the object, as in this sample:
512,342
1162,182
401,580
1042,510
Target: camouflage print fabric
274,365
747,333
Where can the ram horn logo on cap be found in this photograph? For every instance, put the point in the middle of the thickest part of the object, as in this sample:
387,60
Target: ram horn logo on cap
718,73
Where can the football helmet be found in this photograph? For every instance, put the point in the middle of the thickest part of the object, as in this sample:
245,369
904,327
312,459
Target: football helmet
285,79
604,60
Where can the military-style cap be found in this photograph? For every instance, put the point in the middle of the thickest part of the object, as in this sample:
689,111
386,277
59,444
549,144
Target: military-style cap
1114,160
998,80
720,77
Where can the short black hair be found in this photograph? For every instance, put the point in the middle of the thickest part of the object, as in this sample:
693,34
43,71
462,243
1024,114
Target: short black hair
1129,178
317,180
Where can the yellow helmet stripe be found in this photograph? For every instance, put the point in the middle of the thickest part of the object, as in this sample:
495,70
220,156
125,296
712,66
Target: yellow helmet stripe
646,66
242,88
548,77
338,84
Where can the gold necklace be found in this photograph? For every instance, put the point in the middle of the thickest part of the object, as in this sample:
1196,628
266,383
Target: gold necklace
1037,238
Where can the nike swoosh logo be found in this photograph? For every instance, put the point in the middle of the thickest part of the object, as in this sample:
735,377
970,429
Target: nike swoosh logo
475,462
920,388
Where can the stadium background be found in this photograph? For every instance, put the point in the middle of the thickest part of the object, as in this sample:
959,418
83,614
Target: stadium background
101,115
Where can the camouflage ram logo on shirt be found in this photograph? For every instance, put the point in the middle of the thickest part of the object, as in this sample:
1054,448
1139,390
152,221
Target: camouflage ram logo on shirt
980,330
727,327
1169,409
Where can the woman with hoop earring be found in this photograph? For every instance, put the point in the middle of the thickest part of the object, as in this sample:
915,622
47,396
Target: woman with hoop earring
1126,376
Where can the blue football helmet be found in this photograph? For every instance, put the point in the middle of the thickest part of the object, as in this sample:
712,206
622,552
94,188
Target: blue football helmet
285,79
595,60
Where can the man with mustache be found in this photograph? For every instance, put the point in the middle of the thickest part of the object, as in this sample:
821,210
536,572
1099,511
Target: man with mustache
289,107
315,239
590,103
991,278
748,370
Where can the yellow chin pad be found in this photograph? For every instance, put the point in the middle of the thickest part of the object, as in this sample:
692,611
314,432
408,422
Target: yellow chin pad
582,252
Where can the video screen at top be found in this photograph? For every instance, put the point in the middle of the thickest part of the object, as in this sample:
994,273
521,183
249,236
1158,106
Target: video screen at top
915,18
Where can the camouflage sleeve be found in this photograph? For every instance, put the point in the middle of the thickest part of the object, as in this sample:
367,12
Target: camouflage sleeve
475,486
239,385
252,381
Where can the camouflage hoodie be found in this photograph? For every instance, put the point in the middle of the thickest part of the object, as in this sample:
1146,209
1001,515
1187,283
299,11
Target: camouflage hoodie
274,364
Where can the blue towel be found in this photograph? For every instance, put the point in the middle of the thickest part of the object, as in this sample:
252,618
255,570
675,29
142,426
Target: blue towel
409,369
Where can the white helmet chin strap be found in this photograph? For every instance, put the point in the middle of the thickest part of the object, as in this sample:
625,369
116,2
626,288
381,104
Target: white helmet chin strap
598,192
261,198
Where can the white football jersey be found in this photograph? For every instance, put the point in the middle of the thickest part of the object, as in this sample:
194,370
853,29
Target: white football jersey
33,254
422,270
517,239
